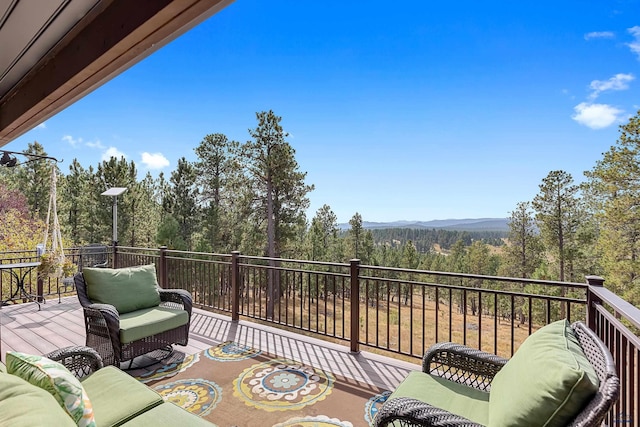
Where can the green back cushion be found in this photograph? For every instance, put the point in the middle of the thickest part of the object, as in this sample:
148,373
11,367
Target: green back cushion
24,405
547,382
127,289
57,380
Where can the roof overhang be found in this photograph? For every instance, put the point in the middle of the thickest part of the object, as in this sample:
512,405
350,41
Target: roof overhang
55,52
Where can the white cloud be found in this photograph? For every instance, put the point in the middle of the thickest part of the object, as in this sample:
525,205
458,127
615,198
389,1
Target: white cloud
95,144
599,35
635,45
154,160
74,142
71,140
112,152
42,125
618,82
596,116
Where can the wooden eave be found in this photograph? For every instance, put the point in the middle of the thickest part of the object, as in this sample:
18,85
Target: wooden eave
110,38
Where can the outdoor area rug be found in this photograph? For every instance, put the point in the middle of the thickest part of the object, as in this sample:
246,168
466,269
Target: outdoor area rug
234,385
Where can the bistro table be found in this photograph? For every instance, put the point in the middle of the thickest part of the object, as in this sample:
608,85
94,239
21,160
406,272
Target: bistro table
19,271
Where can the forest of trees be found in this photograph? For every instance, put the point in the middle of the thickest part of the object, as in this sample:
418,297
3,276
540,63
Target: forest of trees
426,239
252,197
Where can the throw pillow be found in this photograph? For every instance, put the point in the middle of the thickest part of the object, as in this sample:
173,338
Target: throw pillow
127,289
57,380
547,382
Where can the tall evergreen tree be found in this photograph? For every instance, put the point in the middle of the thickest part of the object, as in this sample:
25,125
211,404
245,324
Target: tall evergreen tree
613,188
278,189
34,180
523,254
323,234
75,202
356,235
145,212
184,194
217,171
558,215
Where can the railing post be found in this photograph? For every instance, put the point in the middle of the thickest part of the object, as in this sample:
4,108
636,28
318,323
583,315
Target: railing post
115,254
355,305
593,300
40,289
162,267
235,286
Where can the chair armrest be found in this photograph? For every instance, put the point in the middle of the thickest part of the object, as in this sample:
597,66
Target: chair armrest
406,411
80,360
462,364
177,296
102,323
107,310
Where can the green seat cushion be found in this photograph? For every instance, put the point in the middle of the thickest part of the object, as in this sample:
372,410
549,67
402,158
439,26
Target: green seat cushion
167,415
150,321
456,398
24,405
118,397
127,289
547,381
57,380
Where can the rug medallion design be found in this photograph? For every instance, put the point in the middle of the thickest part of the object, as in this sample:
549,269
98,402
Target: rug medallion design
235,385
231,351
197,396
282,385
169,369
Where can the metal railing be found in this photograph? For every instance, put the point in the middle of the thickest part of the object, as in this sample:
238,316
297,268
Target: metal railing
617,323
397,310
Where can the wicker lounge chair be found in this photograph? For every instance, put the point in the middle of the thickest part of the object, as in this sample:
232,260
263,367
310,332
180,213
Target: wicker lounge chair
476,370
104,331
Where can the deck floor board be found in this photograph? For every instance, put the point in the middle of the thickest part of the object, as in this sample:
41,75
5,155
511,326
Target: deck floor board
24,328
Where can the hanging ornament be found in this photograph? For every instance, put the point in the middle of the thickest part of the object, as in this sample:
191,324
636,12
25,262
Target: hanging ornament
53,263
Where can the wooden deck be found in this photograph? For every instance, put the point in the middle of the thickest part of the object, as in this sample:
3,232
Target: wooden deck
24,328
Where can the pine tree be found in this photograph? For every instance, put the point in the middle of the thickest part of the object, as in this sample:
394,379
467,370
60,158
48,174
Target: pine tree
278,189
34,179
184,194
523,254
356,235
613,189
217,171
558,215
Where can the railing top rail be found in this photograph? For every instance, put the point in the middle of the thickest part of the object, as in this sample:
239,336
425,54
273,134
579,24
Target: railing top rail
477,276
633,339
294,270
173,251
298,261
620,306
468,289
131,248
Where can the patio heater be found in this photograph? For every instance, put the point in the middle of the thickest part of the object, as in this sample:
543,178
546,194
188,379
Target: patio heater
115,192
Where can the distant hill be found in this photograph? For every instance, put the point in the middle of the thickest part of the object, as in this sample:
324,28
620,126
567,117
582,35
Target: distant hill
479,224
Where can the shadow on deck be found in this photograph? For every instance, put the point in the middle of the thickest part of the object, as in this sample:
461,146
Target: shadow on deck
25,329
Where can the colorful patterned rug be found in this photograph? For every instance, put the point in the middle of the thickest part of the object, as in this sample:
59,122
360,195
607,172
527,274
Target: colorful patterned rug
234,385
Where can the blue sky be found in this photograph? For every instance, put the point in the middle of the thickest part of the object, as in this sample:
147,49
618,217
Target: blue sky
410,110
